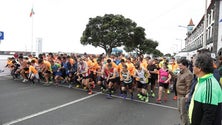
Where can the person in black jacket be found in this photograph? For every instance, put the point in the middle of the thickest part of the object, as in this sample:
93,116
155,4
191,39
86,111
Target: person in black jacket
206,101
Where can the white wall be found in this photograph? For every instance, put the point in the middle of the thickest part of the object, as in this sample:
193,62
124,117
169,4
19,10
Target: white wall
220,28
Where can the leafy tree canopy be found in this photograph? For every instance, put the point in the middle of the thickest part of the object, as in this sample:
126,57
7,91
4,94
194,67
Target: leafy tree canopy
168,55
108,32
111,31
144,46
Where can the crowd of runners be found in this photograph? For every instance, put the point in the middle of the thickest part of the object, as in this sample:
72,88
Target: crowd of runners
196,82
135,76
115,74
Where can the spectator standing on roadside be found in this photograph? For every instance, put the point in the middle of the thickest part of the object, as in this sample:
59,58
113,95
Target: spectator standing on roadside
206,101
220,68
183,85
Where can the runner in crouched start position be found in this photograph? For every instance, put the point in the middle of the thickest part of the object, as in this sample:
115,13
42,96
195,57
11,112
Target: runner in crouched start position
141,76
33,72
111,79
101,75
83,74
45,69
126,81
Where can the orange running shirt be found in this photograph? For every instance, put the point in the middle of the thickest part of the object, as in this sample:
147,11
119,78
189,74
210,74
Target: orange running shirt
32,70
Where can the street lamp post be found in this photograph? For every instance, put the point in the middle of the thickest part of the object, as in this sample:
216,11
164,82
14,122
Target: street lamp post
176,48
181,42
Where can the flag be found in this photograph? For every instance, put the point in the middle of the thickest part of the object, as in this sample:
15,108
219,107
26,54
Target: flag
32,12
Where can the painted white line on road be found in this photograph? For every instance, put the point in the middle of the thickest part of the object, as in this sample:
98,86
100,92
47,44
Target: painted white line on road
164,106
49,110
5,74
160,105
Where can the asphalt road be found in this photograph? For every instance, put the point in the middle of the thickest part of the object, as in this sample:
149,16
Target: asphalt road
26,104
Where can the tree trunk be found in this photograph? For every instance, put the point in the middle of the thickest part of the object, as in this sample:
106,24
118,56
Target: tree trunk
108,52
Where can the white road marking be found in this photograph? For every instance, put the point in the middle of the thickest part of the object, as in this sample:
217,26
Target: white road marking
49,110
160,105
3,74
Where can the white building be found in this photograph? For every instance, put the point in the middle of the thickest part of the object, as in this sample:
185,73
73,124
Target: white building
194,39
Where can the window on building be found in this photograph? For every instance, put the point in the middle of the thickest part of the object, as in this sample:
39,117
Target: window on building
209,19
207,34
211,32
212,14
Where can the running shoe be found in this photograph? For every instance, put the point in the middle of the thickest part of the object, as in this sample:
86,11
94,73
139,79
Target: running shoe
139,96
90,92
25,80
158,101
124,96
142,98
63,81
146,99
153,95
70,86
168,91
175,98
93,85
131,97
109,96
77,86
121,95
103,90
46,84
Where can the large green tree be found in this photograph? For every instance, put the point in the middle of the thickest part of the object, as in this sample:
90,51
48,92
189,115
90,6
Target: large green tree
108,32
137,36
143,46
157,53
111,31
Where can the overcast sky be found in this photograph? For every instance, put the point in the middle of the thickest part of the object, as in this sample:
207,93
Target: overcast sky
60,23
